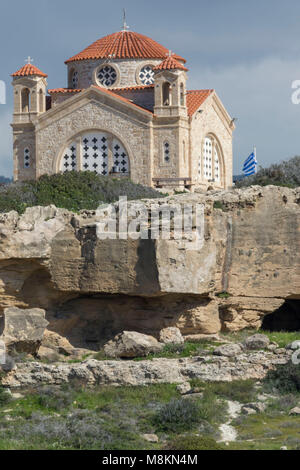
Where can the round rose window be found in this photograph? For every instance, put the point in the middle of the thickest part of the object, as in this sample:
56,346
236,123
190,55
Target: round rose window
146,75
107,76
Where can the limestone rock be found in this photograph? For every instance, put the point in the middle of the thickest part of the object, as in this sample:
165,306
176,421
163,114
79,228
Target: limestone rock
132,344
171,336
150,438
257,342
228,350
52,259
91,372
57,343
295,411
184,388
48,354
293,346
252,408
24,329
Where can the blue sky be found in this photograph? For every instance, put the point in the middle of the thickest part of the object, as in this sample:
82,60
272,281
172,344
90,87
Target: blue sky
248,51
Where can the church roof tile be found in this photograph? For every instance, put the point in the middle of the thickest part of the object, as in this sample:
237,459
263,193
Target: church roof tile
29,70
123,45
170,63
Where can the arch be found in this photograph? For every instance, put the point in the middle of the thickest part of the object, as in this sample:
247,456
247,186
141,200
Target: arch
73,78
94,150
211,162
166,92
182,96
25,100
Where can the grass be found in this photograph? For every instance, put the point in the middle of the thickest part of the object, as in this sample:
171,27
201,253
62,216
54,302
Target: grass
171,351
282,338
242,391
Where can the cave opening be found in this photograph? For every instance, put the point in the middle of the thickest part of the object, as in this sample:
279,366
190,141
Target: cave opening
286,318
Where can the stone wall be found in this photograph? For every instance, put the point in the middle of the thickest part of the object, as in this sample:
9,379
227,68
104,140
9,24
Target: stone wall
55,132
127,71
212,121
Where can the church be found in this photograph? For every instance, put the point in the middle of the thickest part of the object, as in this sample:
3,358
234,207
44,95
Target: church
126,112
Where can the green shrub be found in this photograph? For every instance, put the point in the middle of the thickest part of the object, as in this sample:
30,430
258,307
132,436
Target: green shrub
177,415
74,191
283,174
191,442
285,378
219,205
4,396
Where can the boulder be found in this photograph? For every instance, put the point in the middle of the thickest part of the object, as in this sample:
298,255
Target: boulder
150,438
184,388
257,341
57,343
228,350
252,408
23,329
294,346
295,411
130,344
171,336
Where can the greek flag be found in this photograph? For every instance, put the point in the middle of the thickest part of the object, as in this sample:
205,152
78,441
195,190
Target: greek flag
250,165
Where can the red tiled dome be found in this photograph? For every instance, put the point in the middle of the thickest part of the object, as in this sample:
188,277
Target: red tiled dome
124,45
28,70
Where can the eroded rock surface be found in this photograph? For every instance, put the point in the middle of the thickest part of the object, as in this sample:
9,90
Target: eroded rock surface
91,372
94,289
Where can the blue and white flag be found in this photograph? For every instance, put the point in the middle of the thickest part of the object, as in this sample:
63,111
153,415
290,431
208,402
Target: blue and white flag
250,165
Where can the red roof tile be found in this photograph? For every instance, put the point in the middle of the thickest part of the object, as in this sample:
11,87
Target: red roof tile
63,90
133,88
28,70
123,45
195,98
170,63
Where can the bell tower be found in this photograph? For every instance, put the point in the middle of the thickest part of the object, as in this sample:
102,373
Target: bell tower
30,85
170,88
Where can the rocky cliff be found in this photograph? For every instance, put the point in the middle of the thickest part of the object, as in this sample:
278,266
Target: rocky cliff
91,289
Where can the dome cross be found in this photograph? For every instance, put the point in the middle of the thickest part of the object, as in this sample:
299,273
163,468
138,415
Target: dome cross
29,60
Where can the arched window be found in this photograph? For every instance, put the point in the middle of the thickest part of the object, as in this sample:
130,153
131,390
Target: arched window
74,79
26,158
181,95
166,150
212,158
217,165
41,101
166,94
184,152
69,160
95,148
207,158
25,99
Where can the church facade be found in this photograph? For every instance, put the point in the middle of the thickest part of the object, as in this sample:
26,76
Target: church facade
126,112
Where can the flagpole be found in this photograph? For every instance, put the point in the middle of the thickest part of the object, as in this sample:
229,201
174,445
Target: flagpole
254,150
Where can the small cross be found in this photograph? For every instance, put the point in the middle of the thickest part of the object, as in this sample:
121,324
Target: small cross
125,26
170,53
29,60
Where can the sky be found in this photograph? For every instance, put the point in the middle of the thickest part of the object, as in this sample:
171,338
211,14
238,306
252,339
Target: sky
249,52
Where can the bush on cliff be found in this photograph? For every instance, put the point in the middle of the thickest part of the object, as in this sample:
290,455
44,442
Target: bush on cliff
286,173
73,191
285,378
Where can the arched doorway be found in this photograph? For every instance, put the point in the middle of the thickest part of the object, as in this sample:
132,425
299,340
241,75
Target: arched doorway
99,152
